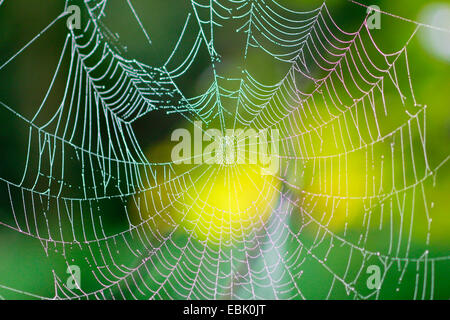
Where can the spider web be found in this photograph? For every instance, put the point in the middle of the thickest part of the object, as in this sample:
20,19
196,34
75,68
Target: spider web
351,191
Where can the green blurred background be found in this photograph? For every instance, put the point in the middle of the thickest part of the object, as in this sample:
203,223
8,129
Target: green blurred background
29,271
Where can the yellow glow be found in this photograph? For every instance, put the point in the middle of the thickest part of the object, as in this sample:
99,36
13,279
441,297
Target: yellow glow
335,195
229,201
220,203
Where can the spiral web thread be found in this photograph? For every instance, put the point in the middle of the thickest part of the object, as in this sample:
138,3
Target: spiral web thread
333,105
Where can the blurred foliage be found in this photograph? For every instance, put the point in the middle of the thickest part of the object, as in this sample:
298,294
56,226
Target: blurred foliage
25,267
